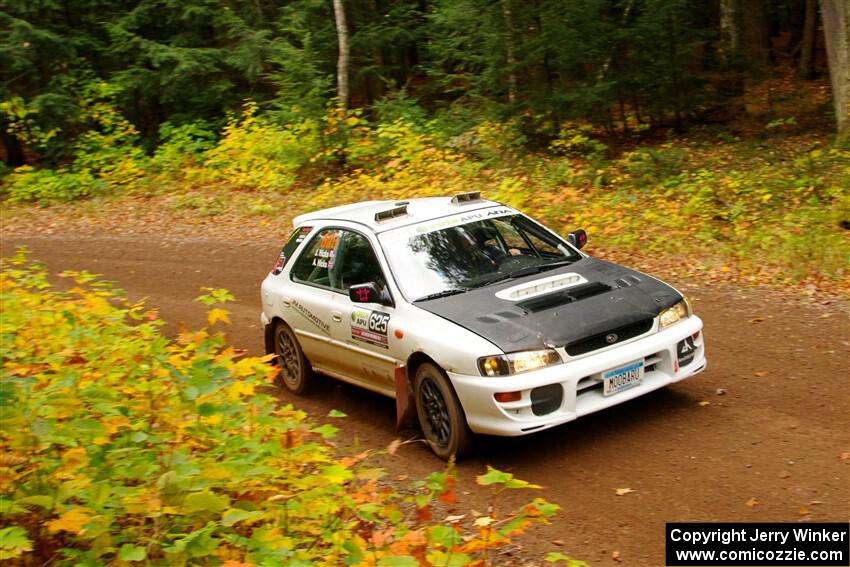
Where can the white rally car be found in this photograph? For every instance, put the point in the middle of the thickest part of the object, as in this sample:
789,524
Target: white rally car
472,315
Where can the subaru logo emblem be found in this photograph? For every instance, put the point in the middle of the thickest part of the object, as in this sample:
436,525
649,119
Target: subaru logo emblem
611,338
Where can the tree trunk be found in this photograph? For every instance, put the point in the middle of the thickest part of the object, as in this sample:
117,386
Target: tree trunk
755,40
677,87
627,10
548,72
342,89
836,31
14,150
730,31
805,68
623,118
375,84
509,50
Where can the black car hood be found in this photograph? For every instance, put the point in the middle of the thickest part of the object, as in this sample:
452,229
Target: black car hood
614,297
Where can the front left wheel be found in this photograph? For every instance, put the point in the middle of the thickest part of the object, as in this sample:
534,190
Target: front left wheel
295,371
440,414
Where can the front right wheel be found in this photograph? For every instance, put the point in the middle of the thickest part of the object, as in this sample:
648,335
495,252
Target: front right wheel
440,413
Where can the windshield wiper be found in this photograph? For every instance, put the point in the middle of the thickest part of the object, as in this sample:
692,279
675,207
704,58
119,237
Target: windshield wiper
555,264
444,293
528,270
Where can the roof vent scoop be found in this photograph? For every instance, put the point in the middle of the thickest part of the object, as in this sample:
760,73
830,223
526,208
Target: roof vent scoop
464,198
389,214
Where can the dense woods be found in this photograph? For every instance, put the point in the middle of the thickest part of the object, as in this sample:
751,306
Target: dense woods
648,122
620,64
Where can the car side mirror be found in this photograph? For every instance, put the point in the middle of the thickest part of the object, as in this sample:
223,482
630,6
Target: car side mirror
577,238
368,293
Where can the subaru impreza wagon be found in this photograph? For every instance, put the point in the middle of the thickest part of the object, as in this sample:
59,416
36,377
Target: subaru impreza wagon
473,316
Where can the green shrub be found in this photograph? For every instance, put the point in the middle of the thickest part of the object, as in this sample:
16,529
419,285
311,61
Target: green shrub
650,165
181,145
255,153
45,186
118,445
109,149
578,141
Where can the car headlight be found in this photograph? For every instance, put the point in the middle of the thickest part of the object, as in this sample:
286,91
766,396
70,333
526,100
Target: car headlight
514,363
674,314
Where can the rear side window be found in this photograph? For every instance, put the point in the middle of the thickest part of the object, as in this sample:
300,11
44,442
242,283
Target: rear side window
316,263
295,239
337,258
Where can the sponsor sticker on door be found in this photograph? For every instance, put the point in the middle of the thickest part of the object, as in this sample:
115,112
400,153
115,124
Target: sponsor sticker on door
370,327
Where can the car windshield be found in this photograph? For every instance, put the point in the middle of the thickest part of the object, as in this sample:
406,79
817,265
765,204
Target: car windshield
449,256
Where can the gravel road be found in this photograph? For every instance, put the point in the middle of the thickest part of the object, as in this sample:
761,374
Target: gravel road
759,436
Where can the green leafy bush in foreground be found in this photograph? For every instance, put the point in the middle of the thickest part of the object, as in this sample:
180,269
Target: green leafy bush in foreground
119,445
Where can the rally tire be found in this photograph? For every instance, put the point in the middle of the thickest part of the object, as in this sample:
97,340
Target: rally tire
295,371
441,416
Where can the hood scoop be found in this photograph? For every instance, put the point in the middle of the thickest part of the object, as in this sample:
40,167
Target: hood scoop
542,286
574,293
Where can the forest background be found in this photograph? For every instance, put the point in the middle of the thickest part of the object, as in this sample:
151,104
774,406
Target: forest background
697,127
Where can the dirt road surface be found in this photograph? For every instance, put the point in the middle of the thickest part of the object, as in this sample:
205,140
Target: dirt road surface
762,435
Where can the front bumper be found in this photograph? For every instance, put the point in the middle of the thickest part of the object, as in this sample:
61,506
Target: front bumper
581,383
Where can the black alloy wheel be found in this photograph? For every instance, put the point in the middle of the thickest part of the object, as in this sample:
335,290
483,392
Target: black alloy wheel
295,371
440,414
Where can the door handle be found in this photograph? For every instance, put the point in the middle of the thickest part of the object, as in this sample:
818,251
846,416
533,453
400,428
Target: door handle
336,316
285,301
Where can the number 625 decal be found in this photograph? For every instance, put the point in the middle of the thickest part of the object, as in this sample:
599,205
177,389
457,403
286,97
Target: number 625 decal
378,322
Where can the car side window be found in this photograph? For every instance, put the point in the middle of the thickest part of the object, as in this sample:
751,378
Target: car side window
510,235
522,236
358,263
336,258
544,243
543,247
317,263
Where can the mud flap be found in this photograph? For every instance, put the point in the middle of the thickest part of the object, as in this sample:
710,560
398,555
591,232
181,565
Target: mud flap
268,335
405,407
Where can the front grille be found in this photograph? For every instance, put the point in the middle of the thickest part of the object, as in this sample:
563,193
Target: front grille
601,340
546,399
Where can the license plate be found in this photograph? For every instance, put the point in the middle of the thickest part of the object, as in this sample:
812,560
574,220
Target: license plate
622,378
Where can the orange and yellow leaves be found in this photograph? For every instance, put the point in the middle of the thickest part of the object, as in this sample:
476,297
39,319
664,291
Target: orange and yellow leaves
72,521
118,430
217,314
